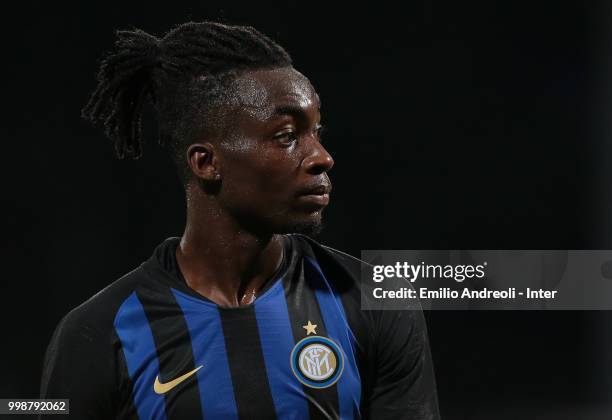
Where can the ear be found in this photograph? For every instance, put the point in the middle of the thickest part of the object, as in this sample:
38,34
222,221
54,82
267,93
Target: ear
203,162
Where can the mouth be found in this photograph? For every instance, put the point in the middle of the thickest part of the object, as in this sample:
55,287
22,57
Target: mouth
316,195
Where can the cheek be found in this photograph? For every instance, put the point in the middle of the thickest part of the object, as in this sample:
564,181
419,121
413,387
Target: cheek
262,175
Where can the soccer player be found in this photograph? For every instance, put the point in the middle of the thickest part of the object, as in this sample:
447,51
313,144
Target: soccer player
244,316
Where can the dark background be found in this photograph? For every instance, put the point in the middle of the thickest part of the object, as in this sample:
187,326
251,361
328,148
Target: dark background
454,125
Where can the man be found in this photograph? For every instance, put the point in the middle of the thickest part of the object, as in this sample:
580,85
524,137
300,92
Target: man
243,316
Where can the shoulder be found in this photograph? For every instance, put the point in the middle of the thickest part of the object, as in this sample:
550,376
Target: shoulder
349,272
352,279
353,268
344,273
95,316
84,341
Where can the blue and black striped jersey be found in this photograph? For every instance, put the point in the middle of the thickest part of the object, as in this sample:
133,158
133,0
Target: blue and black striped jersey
150,347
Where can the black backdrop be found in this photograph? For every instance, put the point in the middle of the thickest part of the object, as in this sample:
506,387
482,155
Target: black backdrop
454,125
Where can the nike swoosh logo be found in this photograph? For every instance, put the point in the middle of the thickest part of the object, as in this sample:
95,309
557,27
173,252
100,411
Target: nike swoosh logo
160,388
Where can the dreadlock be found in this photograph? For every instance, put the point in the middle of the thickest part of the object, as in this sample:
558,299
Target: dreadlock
181,74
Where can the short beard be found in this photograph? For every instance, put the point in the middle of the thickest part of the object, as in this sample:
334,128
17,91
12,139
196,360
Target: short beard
308,228
305,226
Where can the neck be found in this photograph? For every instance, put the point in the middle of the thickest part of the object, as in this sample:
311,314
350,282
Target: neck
223,262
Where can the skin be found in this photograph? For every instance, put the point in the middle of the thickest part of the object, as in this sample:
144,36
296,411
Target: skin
252,181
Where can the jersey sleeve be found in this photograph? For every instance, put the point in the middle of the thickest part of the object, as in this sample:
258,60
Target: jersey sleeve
403,386
79,365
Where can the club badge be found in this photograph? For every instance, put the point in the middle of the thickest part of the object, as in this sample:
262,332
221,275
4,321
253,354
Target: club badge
317,361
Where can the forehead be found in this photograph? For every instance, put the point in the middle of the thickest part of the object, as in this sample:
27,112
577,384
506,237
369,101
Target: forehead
259,93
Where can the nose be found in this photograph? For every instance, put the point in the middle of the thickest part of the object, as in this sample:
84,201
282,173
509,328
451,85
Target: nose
319,160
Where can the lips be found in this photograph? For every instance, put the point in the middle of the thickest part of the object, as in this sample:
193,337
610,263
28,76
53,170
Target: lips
317,195
318,190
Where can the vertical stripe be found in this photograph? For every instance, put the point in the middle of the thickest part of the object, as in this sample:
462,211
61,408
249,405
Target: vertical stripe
127,410
247,365
303,307
277,342
133,330
174,352
349,384
209,349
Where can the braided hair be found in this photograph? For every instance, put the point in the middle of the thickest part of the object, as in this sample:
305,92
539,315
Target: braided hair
182,74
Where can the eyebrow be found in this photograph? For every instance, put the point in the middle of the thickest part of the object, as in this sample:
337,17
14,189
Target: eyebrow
292,110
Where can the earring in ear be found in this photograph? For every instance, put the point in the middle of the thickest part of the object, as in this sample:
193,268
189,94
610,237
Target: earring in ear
217,175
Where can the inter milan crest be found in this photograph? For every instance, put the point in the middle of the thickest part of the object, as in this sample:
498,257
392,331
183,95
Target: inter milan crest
317,361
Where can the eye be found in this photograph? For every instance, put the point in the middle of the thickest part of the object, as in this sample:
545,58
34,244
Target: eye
286,137
319,129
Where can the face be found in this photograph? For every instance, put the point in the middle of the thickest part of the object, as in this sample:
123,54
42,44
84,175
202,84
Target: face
272,165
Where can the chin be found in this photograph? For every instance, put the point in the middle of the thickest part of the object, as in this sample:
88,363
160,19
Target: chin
310,226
